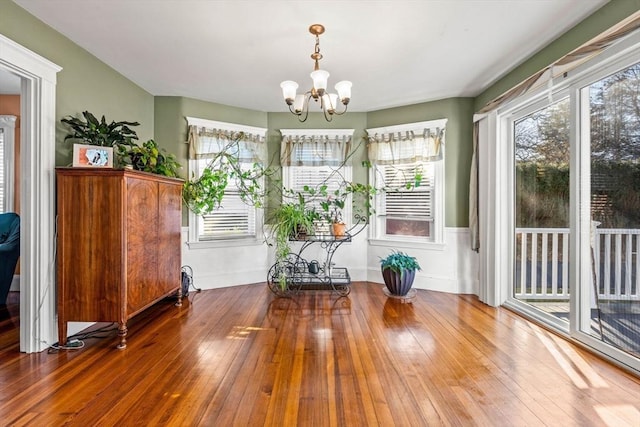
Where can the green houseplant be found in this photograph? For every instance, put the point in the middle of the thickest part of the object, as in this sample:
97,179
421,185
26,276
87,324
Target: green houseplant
398,272
98,132
148,157
290,220
92,131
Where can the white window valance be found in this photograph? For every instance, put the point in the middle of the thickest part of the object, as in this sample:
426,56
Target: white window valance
315,147
206,139
404,144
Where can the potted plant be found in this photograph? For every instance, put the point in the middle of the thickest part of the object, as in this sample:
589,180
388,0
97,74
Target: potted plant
332,208
92,131
148,157
398,272
291,220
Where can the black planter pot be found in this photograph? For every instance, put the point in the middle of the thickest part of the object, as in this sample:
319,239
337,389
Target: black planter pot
398,284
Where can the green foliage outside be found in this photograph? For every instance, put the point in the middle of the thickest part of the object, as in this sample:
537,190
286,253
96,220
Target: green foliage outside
542,195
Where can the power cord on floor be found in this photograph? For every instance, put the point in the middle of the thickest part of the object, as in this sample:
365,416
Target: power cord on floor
76,341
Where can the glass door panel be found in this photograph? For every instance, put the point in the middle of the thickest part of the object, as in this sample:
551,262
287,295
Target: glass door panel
614,309
542,210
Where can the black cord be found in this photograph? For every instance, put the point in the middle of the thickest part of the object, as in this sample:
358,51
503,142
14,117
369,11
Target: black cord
76,341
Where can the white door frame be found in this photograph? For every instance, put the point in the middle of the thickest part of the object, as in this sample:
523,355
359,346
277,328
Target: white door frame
37,210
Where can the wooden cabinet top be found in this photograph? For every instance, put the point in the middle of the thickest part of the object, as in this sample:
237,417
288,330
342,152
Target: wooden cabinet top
75,171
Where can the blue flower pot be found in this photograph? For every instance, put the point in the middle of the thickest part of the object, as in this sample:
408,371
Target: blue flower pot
396,283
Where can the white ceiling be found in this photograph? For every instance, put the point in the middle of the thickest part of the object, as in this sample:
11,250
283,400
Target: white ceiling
237,52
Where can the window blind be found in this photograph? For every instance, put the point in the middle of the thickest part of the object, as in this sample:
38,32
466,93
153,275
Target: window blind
402,203
234,218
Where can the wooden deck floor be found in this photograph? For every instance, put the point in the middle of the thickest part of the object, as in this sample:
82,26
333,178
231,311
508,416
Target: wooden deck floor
240,356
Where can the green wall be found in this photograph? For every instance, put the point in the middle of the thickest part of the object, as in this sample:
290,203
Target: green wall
85,83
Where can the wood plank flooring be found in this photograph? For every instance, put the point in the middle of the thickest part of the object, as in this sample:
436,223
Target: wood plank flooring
242,357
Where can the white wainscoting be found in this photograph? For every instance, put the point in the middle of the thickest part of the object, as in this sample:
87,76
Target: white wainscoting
450,267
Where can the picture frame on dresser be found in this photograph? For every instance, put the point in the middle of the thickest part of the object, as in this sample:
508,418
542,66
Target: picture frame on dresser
92,156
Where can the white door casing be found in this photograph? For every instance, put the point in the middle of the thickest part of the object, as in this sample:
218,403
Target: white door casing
37,150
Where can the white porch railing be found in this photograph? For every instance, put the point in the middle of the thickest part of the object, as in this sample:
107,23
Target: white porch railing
542,263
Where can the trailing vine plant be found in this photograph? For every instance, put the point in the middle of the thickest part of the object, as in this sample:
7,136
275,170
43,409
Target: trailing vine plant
204,194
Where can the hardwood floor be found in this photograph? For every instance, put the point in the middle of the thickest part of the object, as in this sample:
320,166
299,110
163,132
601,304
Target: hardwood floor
240,356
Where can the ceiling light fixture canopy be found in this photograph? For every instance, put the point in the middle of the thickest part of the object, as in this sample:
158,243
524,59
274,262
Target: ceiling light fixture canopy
299,103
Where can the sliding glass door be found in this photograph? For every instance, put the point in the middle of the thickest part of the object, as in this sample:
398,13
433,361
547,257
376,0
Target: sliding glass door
612,129
576,208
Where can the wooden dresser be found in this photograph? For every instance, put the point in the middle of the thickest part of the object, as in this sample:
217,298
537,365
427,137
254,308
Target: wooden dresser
118,244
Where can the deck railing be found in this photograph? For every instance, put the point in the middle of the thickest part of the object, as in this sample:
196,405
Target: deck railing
542,261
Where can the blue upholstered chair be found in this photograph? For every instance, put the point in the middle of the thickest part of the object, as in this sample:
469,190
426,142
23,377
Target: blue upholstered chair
9,251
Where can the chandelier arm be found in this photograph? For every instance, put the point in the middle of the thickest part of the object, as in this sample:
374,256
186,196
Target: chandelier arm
304,113
327,115
339,113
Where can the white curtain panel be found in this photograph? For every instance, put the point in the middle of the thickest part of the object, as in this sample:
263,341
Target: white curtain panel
406,147
206,143
315,150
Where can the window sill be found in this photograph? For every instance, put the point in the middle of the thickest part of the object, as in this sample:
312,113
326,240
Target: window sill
407,244
224,243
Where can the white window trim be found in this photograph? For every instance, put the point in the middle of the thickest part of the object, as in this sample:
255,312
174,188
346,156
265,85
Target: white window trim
438,241
193,242
8,124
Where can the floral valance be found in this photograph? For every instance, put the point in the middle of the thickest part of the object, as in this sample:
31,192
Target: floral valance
315,149
206,143
406,146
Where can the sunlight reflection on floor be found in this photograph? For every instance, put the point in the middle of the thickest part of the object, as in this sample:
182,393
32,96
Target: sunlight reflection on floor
570,361
618,415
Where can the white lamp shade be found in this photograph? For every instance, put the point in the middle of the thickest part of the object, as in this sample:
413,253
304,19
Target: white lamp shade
289,89
320,78
298,103
330,101
344,89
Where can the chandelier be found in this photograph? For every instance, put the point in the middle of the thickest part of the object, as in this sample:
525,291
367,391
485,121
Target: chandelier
299,103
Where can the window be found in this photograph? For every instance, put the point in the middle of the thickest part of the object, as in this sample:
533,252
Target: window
407,211
7,142
234,219
314,158
407,170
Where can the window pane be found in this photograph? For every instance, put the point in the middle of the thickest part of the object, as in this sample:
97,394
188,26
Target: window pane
234,218
315,177
615,209
541,262
408,212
